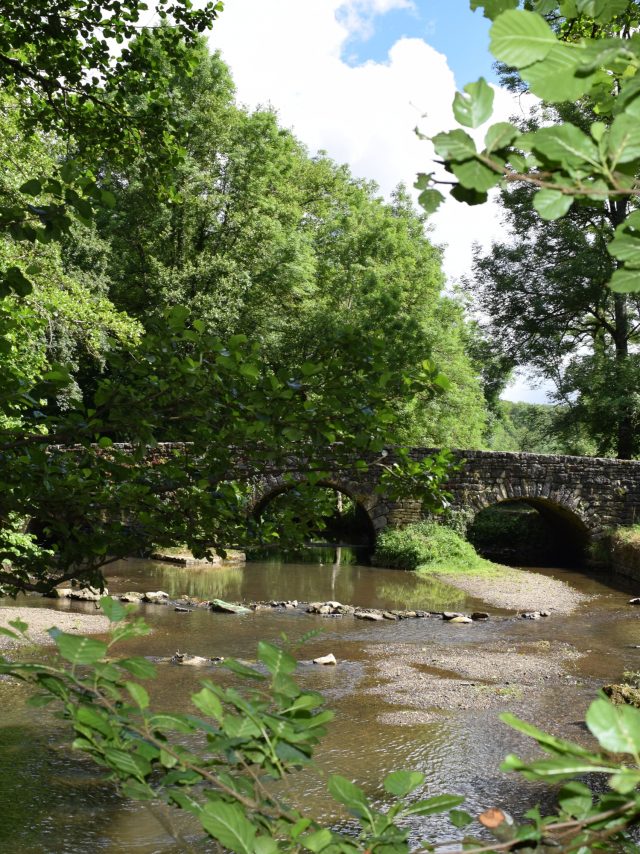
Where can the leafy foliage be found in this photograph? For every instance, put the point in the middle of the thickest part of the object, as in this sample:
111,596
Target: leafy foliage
586,51
429,547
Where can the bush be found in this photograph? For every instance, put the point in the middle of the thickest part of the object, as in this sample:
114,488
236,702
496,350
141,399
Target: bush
428,547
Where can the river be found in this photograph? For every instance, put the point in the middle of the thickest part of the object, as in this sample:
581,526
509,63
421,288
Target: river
53,801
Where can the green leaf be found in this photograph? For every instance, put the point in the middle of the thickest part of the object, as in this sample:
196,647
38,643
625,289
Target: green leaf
77,649
347,793
138,693
623,142
625,780
400,783
519,38
563,144
174,723
625,246
475,106
549,742
454,145
576,799
500,135
90,717
433,806
228,825
126,763
242,669
492,8
32,187
316,841
139,667
551,204
475,175
601,10
554,78
625,281
14,281
617,728
208,703
430,200
460,818
114,610
275,660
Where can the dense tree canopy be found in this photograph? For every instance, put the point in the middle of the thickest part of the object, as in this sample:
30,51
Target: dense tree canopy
214,285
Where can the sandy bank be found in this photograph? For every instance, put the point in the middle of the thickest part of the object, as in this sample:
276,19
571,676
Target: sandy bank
519,590
425,683
41,619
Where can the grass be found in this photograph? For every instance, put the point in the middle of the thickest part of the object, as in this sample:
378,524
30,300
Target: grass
431,549
628,535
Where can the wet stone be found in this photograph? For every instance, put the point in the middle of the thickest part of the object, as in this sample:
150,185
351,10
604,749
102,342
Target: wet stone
325,659
531,615
223,607
368,615
387,615
479,615
460,619
451,615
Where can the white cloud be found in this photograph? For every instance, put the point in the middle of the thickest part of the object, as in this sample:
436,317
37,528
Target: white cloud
287,54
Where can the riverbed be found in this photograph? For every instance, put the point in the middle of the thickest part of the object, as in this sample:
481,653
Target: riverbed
415,693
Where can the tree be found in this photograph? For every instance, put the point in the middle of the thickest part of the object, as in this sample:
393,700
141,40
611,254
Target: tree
288,249
543,292
72,499
588,53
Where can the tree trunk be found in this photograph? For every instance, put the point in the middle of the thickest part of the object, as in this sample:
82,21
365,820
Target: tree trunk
625,437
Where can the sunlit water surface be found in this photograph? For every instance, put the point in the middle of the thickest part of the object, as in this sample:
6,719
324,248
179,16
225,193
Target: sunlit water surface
52,800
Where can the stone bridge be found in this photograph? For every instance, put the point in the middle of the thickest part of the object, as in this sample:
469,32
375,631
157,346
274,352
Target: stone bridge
583,496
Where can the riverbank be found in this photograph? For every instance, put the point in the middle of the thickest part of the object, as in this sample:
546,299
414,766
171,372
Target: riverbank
40,620
519,590
426,683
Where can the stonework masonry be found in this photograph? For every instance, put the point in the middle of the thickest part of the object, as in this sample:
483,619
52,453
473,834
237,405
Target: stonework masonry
588,494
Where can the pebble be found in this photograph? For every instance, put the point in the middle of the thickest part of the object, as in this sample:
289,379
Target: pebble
325,659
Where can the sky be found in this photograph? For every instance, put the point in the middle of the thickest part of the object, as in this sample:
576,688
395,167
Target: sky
355,77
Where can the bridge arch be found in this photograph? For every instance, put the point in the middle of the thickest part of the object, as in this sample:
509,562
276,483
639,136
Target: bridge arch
550,532
368,514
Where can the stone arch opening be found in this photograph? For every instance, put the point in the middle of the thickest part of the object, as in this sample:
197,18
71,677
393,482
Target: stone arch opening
329,512
530,532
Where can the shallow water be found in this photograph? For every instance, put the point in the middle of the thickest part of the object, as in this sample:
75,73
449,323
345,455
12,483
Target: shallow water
54,801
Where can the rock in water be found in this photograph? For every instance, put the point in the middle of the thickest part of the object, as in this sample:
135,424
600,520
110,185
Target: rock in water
189,660
325,659
479,615
635,601
460,619
368,615
623,694
451,615
531,615
131,597
82,594
227,607
157,597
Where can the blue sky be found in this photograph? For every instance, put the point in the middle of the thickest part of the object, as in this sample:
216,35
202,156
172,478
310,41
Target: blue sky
448,25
